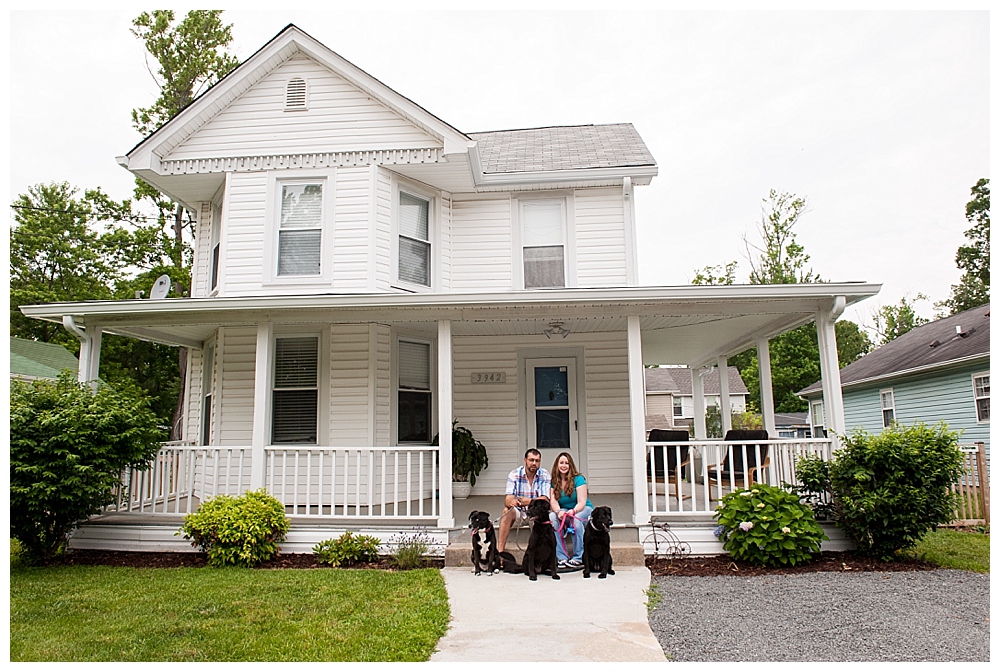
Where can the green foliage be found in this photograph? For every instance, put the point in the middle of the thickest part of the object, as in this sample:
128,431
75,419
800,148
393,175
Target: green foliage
892,488
713,422
780,259
768,526
242,531
973,288
409,549
891,322
468,456
813,475
347,550
68,447
716,275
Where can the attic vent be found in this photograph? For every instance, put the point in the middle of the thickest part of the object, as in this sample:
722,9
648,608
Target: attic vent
295,96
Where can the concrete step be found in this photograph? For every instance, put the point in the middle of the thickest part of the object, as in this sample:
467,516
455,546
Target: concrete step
623,553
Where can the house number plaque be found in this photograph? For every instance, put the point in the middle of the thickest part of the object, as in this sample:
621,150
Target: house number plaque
489,377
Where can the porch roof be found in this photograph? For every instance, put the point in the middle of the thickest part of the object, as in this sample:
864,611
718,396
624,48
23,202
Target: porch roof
689,324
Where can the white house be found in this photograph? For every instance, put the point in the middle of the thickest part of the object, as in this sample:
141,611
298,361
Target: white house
670,393
365,273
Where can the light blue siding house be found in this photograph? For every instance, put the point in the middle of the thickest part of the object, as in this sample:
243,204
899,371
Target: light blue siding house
938,371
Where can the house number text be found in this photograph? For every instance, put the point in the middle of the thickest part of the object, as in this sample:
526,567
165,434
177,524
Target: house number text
489,377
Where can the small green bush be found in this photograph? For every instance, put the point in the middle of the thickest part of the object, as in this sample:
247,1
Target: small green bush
243,531
347,550
409,549
892,488
768,526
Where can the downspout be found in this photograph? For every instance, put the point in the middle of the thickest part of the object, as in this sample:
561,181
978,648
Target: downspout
628,208
85,346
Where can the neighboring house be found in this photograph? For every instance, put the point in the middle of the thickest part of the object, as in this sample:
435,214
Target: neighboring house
32,360
670,394
937,371
793,425
365,273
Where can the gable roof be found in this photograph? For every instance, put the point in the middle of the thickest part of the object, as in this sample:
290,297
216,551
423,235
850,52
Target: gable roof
677,380
561,148
930,346
34,359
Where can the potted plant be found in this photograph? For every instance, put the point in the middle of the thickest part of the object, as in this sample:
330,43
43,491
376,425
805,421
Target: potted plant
468,458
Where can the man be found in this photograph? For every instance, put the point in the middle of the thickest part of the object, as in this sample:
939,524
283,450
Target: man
524,484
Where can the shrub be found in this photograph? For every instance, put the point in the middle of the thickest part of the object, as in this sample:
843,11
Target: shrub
409,549
347,550
890,489
243,531
68,447
768,526
813,474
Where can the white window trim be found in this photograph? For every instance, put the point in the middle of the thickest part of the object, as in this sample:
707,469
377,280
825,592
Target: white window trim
975,398
433,218
275,181
215,240
569,235
883,408
812,417
322,381
412,337
208,377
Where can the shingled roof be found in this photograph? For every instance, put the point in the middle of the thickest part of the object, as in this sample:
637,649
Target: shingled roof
34,359
934,344
562,148
677,380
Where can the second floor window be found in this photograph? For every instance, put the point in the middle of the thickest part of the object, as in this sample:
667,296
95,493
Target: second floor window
888,407
300,232
414,240
543,236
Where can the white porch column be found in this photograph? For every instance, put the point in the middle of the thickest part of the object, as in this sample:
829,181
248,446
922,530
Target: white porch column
637,406
725,406
698,390
833,400
446,513
261,403
766,392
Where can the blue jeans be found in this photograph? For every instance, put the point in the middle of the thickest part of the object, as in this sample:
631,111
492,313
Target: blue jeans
562,546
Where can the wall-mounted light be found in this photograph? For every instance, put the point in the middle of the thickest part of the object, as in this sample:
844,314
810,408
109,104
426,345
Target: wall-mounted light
556,327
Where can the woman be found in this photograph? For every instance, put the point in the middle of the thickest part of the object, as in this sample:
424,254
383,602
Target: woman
570,510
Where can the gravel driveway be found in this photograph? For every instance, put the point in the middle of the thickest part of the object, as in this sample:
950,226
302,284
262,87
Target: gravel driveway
940,615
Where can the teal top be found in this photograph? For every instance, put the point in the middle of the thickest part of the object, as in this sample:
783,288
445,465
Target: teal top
569,501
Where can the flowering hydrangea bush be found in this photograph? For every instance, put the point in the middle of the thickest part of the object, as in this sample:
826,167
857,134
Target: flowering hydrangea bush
768,526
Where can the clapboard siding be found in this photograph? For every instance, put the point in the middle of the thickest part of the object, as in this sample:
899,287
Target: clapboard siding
600,238
201,268
931,398
244,246
237,353
351,233
340,118
383,391
383,226
445,244
481,245
609,446
193,419
350,403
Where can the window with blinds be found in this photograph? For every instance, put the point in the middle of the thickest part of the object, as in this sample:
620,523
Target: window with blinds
300,232
295,395
414,240
543,244
414,392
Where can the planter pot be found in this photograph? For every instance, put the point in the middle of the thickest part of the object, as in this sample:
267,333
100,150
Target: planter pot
460,489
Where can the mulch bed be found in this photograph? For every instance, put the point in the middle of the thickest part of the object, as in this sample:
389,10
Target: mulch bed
829,561
164,560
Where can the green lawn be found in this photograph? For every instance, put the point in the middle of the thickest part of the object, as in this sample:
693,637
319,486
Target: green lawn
121,614
953,549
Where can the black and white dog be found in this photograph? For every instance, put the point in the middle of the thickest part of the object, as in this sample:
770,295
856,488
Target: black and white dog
541,551
484,543
597,543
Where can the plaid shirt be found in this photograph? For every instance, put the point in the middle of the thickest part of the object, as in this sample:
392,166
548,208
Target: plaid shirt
517,483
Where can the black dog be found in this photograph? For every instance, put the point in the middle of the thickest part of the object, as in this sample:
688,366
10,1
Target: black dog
597,544
541,551
484,543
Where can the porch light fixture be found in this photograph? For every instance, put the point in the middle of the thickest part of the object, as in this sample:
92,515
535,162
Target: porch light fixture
556,327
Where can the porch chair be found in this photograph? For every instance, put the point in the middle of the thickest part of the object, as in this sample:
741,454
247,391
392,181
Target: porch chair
668,462
732,469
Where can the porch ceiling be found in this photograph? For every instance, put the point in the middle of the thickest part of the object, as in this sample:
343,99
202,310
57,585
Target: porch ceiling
680,325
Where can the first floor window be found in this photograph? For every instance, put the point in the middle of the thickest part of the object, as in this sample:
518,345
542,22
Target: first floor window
414,392
300,232
888,407
206,411
981,385
543,235
414,240
295,397
818,421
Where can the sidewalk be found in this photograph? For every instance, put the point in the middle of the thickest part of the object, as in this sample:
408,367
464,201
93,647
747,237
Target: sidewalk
506,617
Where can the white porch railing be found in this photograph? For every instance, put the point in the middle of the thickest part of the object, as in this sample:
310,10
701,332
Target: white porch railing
390,483
690,477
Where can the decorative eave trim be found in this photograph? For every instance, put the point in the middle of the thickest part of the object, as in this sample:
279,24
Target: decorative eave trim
385,157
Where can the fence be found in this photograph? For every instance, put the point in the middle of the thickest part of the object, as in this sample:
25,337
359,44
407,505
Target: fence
972,505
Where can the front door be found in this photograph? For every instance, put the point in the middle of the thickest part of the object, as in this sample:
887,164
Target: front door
551,408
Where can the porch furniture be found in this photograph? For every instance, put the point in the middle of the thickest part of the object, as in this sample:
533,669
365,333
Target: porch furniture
663,462
742,463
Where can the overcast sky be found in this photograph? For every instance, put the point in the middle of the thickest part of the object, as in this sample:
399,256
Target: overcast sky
879,119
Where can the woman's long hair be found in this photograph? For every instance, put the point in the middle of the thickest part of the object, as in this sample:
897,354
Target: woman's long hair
564,486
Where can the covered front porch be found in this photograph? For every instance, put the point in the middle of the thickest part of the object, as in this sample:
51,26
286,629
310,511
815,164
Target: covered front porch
360,473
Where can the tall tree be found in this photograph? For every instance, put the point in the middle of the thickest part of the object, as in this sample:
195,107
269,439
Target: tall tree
780,260
190,57
891,322
973,288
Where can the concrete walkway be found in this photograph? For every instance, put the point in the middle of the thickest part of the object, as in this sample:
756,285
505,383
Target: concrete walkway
506,617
